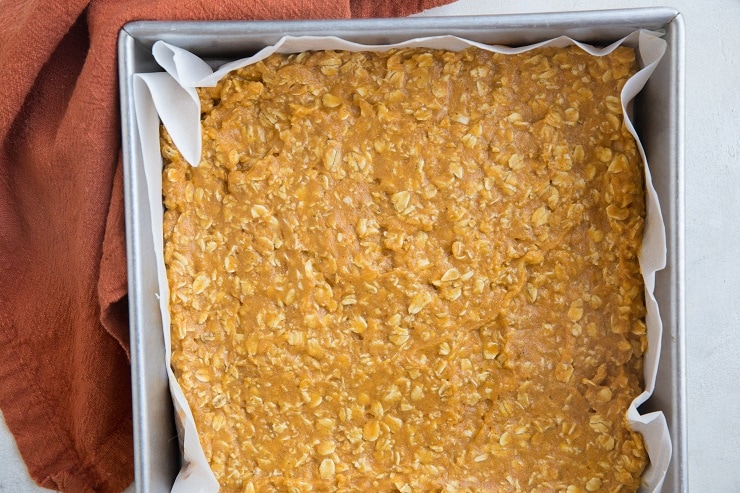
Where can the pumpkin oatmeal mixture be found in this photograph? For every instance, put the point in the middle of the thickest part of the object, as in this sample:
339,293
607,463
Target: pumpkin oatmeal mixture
412,271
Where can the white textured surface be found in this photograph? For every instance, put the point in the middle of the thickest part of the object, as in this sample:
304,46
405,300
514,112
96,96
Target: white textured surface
13,473
712,231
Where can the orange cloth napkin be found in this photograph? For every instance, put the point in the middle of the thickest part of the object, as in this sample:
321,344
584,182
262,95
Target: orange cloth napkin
64,363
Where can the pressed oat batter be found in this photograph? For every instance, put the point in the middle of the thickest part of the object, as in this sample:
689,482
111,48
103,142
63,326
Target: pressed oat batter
412,271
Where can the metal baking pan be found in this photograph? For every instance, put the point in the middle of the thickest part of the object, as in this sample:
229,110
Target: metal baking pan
659,114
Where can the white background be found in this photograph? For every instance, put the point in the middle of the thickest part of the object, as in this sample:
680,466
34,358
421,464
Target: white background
712,234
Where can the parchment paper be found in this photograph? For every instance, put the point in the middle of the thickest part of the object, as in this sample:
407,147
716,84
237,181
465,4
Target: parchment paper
171,97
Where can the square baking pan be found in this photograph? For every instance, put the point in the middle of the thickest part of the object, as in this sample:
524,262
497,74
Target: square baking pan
659,114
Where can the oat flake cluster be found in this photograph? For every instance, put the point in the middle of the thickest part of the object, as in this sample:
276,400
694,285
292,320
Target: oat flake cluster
412,271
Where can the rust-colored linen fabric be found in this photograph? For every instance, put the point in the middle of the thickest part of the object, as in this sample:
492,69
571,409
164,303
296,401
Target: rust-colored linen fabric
64,365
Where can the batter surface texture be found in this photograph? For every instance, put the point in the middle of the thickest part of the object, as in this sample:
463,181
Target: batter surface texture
412,271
